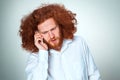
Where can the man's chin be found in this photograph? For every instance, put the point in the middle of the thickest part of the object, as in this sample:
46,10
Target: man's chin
56,45
53,46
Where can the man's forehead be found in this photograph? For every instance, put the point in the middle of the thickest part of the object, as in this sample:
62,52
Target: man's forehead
47,24
47,28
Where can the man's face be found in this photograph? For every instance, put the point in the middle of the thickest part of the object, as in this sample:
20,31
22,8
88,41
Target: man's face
51,33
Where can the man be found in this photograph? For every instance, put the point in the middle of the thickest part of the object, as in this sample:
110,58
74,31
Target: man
56,54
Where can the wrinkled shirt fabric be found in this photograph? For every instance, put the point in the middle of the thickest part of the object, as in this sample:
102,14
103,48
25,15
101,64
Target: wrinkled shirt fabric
73,62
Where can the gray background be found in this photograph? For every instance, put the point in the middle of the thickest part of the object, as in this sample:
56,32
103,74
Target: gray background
98,24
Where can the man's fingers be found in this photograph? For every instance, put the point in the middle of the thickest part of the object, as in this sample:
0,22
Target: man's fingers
37,36
38,40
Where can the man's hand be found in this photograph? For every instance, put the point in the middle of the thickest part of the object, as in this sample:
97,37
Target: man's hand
38,40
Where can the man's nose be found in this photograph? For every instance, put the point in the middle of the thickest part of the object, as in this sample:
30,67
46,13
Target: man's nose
51,34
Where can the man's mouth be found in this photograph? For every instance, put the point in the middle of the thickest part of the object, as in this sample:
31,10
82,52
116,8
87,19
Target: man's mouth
53,40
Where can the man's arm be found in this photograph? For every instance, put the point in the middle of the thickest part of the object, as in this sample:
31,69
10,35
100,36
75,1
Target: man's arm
93,72
37,66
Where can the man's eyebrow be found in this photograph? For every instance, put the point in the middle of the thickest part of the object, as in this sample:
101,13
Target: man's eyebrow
50,29
44,32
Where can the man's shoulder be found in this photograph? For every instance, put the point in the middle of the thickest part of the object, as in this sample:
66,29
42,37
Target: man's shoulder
78,38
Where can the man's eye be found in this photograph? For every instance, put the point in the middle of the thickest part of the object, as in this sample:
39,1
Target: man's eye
44,32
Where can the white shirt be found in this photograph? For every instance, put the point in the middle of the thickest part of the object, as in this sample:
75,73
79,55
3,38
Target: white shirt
73,62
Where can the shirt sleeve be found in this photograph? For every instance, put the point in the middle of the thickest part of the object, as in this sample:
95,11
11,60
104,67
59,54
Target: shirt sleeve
93,72
37,66
92,69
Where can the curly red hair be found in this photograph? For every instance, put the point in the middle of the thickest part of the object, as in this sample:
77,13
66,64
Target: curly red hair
63,17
